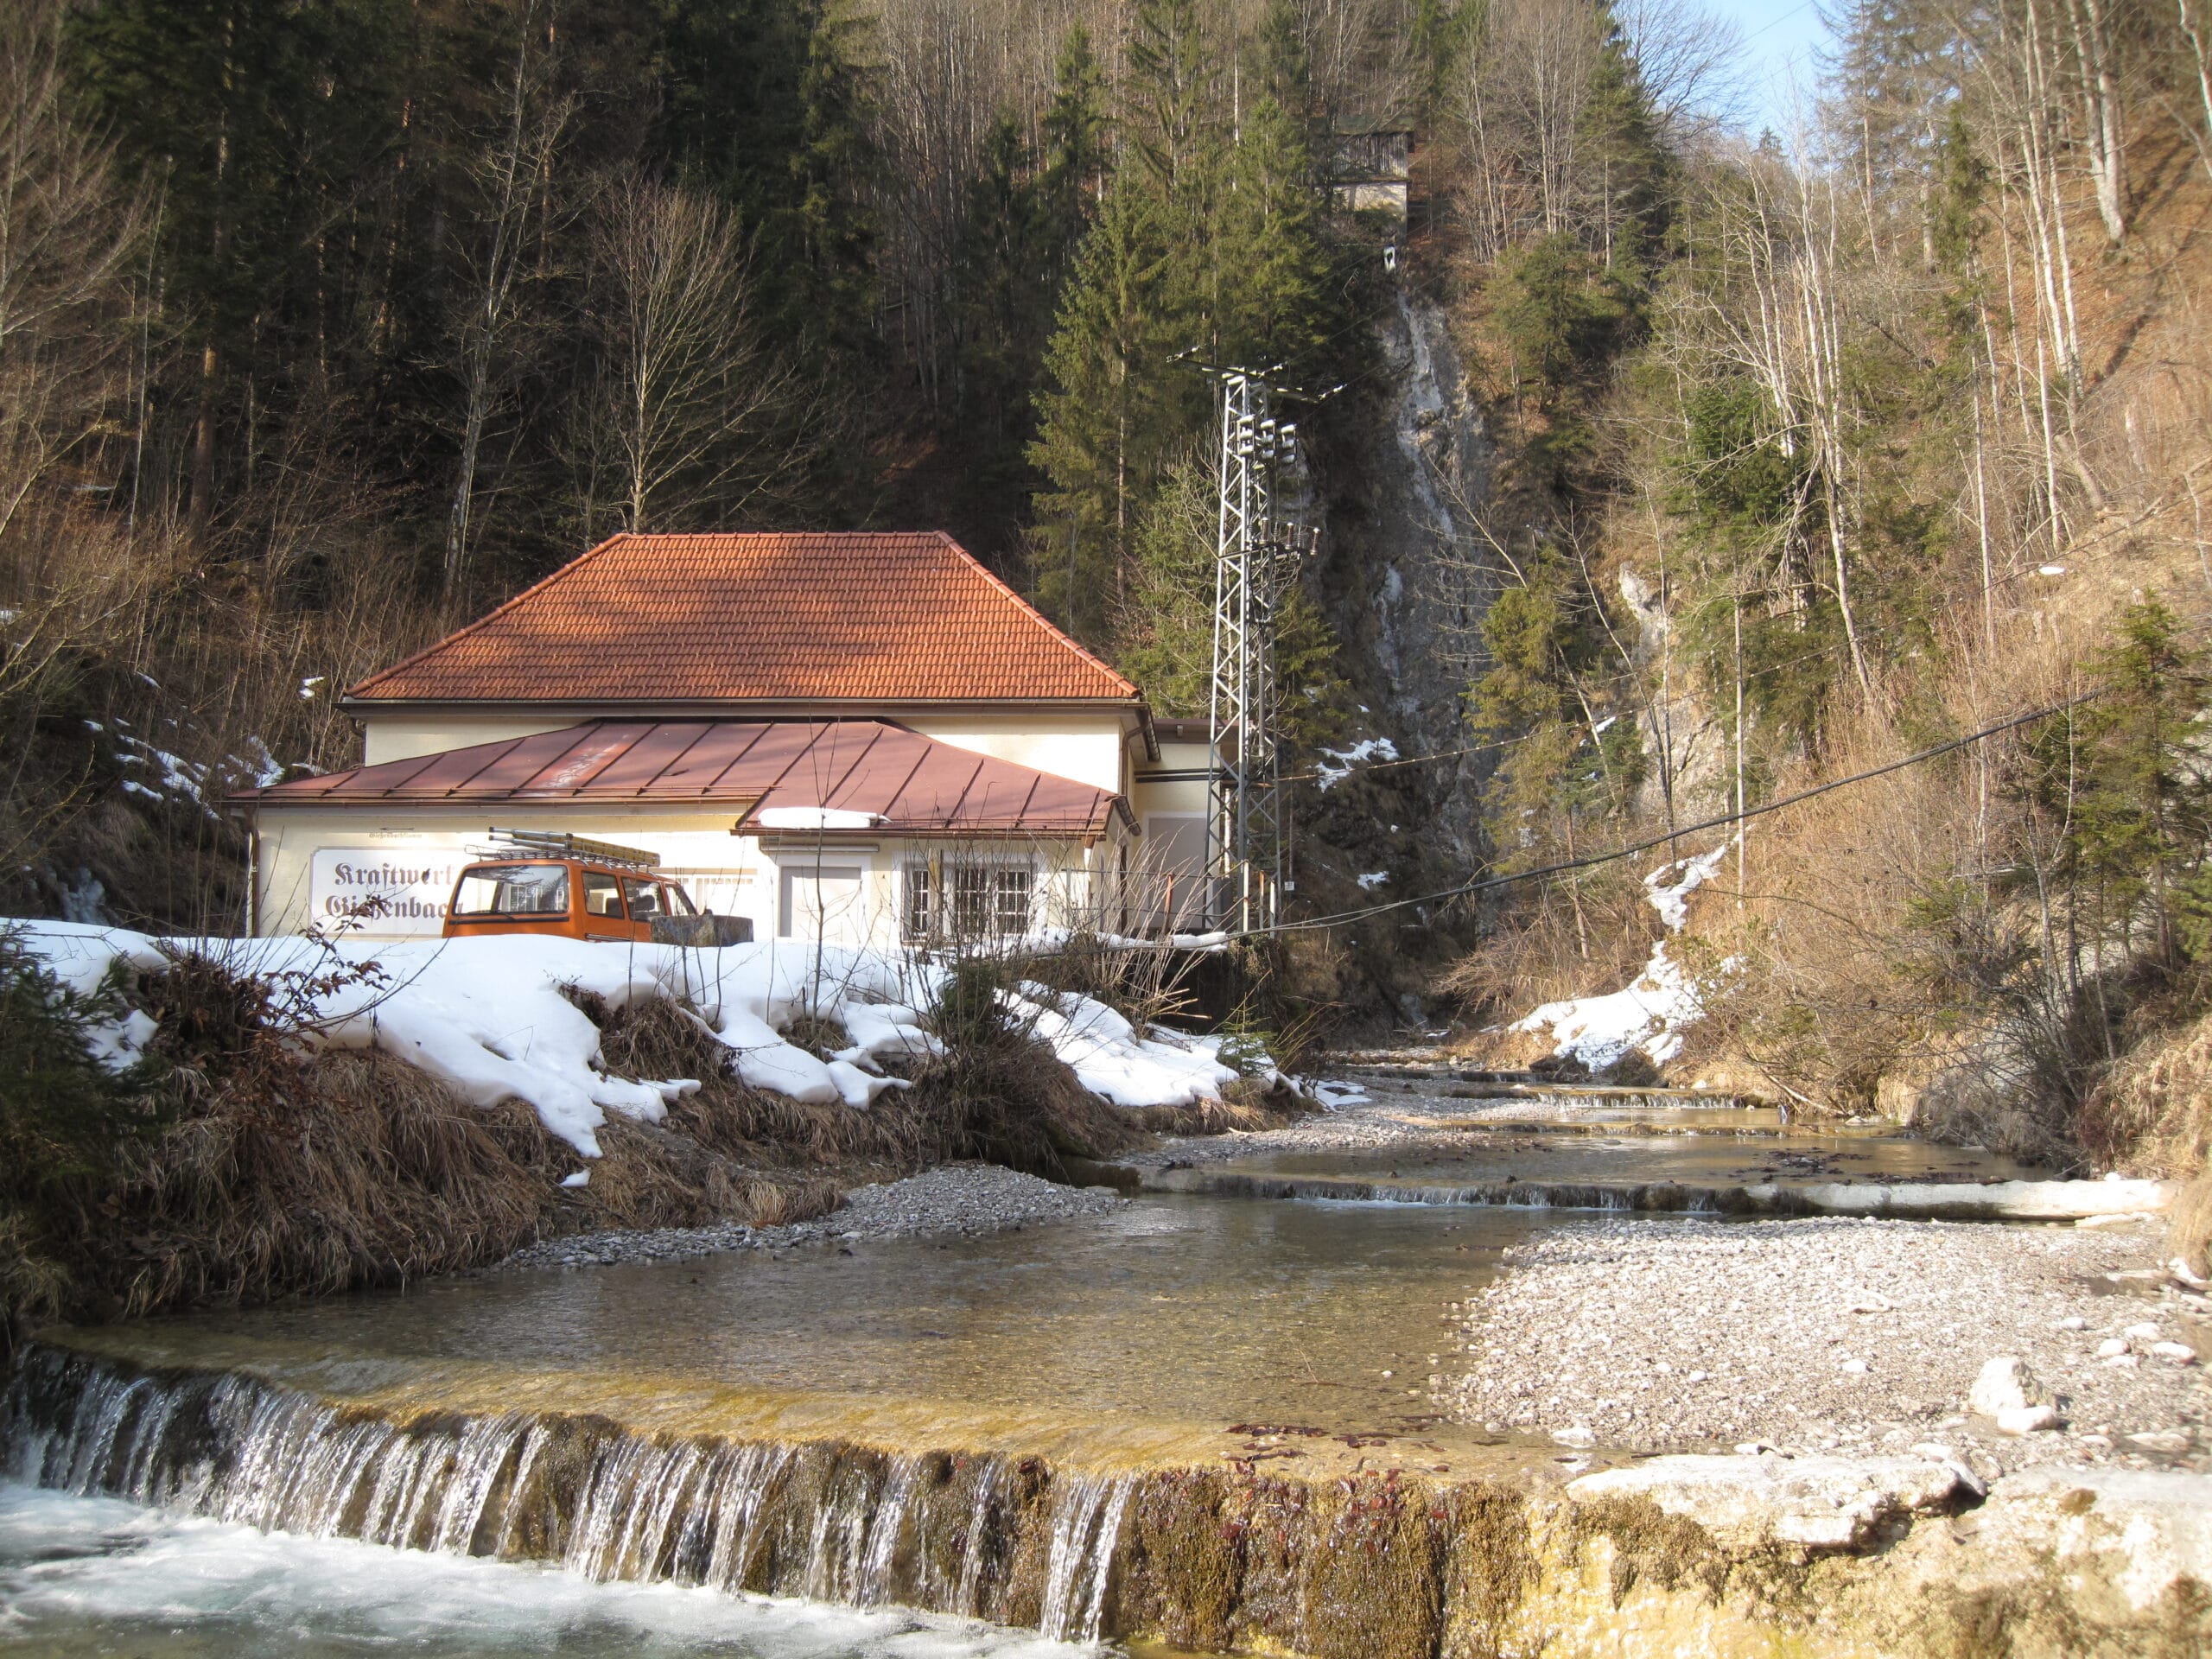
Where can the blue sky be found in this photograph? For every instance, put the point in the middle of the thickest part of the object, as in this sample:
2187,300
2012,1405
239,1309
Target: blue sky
1780,38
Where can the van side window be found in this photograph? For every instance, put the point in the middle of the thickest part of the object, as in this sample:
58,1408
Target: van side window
644,897
602,895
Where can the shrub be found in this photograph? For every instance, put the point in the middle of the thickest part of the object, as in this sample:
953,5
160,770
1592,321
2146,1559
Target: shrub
63,1116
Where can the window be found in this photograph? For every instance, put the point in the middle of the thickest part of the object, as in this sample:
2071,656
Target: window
971,902
674,901
513,890
918,916
1009,901
965,901
644,898
602,895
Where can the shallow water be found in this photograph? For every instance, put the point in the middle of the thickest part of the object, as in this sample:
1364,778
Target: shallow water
1205,1310
85,1576
1695,1147
1174,1307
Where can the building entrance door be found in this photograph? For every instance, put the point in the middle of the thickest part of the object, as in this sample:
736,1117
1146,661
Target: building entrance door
822,901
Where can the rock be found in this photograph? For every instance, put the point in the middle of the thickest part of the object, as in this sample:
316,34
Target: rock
2025,1419
2162,1439
2073,1322
2145,1333
1817,1503
1853,1367
2137,1537
2112,1345
2180,1352
2005,1384
1578,1435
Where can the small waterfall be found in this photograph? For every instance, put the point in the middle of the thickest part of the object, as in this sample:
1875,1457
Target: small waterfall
1085,1528
1663,1197
983,1536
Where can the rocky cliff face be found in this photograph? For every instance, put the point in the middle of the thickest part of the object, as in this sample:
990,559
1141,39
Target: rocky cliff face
1403,464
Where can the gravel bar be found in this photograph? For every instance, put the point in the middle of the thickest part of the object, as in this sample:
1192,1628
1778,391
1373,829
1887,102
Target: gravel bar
973,1199
1837,1335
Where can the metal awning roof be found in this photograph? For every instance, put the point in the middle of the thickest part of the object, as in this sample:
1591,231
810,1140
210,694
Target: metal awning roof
901,782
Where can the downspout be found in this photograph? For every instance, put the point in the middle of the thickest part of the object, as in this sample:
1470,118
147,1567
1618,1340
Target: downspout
253,875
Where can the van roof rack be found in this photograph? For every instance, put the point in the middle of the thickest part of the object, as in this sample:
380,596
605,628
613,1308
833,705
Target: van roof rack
546,844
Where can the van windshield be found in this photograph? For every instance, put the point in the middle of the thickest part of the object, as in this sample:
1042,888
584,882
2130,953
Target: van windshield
512,889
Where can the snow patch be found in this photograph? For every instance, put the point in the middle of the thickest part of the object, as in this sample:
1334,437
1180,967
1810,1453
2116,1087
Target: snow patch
1372,880
1650,1011
1647,1013
494,1019
1669,887
1337,764
815,818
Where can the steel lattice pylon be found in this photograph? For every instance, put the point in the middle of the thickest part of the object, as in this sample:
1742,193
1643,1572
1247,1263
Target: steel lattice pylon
1258,543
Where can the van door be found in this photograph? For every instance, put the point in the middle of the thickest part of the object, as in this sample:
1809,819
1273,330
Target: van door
603,916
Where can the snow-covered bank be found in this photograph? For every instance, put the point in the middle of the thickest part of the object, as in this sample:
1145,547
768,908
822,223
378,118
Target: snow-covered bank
1650,1012
495,1018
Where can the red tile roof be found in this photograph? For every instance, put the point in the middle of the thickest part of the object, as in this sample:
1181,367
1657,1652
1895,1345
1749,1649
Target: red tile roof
839,618
913,785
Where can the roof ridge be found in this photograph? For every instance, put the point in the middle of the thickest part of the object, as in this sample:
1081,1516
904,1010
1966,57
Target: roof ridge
496,612
1042,620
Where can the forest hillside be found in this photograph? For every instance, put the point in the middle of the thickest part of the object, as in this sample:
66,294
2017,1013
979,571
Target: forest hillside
1666,468
1883,482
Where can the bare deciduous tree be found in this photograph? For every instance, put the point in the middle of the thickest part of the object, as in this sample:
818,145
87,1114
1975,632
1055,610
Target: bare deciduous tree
696,415
512,171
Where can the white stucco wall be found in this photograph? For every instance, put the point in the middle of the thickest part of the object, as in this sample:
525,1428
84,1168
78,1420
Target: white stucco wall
401,737
372,849
1089,748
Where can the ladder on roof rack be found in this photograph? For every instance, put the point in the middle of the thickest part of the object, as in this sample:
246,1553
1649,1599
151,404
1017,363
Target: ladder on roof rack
546,844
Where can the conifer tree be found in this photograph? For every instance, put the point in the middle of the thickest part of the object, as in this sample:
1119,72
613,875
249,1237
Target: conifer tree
1283,68
1276,302
1004,313
1619,150
1113,409
833,166
1077,133
1171,100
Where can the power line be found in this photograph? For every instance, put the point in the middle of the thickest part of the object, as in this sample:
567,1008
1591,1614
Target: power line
1489,883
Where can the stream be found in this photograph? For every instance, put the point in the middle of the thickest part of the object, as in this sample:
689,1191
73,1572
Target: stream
789,1453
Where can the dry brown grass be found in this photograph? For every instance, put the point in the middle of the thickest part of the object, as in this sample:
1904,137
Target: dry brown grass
1245,1105
2189,1230
2157,1106
277,1169
1006,1101
362,1171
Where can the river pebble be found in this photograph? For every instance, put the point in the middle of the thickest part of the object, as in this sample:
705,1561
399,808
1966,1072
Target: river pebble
971,1199
1838,1335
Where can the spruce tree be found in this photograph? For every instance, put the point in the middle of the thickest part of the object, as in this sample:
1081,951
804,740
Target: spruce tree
1114,410
835,166
1077,156
1277,302
1002,312
1171,99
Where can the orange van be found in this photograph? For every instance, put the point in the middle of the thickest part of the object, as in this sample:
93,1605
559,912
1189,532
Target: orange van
599,892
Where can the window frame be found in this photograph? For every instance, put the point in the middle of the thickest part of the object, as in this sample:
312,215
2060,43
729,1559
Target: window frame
959,900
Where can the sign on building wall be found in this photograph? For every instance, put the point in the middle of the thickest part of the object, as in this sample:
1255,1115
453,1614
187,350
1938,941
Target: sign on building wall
393,891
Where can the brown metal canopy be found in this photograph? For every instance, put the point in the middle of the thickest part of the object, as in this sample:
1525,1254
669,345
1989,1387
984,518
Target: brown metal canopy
906,784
